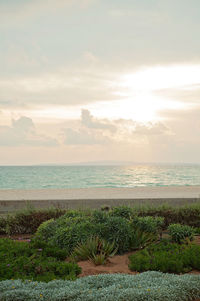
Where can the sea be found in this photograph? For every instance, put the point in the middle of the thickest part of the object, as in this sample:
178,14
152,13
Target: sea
134,175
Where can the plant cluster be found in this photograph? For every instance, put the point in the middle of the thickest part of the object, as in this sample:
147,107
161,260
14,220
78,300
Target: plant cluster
95,249
184,215
166,257
181,233
69,230
27,221
35,261
149,224
149,286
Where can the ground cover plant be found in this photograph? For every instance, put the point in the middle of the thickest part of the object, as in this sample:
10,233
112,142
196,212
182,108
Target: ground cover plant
166,257
149,286
34,261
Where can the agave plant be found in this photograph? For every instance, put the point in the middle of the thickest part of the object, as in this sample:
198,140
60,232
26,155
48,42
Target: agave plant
141,239
95,249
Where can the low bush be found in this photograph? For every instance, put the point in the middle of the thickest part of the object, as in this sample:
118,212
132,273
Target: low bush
197,231
66,232
166,257
123,211
181,233
148,224
27,221
95,249
21,260
149,286
184,215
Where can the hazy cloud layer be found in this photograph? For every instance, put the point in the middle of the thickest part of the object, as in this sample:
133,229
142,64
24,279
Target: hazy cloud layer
133,67
22,132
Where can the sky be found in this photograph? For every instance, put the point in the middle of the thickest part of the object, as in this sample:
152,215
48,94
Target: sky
99,80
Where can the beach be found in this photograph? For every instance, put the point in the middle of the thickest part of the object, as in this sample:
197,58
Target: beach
12,200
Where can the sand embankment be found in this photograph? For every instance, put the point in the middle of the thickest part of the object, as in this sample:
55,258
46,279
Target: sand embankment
11,200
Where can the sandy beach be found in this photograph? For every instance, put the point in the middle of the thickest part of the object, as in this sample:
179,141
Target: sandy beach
11,200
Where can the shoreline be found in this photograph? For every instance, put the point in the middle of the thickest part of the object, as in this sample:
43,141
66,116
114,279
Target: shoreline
17,199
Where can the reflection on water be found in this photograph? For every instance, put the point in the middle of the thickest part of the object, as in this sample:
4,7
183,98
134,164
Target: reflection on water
37,177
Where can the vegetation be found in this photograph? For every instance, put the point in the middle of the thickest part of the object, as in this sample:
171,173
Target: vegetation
149,286
95,249
166,257
70,230
27,221
97,235
34,261
181,234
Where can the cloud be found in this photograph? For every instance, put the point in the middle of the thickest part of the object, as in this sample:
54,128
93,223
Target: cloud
25,10
89,121
63,87
189,93
151,129
22,132
83,137
90,130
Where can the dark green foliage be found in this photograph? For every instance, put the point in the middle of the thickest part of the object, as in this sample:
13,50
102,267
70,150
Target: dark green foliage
123,211
95,249
115,229
66,232
166,257
187,215
148,224
20,260
197,231
27,221
181,233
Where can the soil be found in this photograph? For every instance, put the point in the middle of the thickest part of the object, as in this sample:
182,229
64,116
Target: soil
116,264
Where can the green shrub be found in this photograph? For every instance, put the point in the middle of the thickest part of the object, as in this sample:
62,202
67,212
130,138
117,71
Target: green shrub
148,224
66,232
185,215
166,257
140,239
95,249
115,229
149,286
122,211
197,231
27,221
21,260
180,233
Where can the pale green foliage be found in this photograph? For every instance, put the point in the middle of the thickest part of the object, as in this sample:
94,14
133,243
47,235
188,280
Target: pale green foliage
149,286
